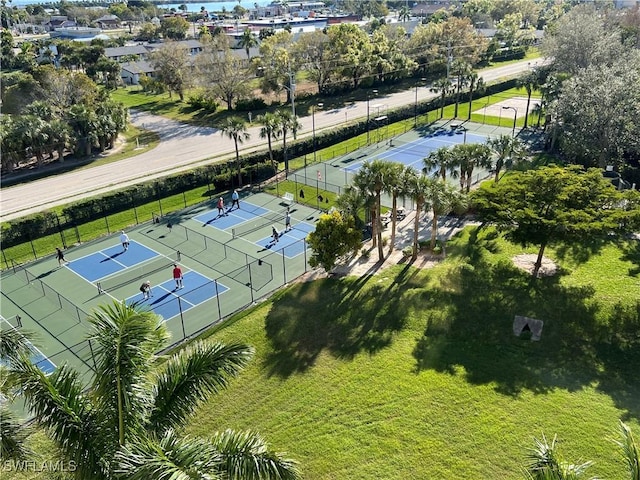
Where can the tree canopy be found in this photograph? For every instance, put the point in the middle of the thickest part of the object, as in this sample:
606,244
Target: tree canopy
553,205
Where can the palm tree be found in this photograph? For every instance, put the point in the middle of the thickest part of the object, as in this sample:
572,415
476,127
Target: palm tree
288,123
351,202
394,185
370,178
630,451
508,150
124,425
236,129
15,347
461,70
546,464
270,129
418,187
441,198
476,84
404,14
443,88
529,82
443,161
469,156
248,41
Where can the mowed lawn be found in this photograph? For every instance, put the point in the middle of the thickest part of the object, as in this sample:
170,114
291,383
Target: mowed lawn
417,374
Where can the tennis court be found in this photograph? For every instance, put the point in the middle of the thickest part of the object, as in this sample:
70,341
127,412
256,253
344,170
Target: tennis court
412,152
226,264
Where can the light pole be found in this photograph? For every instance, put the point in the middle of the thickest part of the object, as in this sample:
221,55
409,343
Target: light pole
515,118
368,97
415,105
313,128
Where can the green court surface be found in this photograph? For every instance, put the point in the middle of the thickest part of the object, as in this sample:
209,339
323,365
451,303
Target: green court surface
228,263
408,148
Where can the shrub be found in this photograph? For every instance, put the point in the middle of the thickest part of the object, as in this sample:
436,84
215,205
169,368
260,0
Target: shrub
250,104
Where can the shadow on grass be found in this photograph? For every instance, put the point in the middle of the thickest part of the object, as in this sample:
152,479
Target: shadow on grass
342,317
469,329
631,253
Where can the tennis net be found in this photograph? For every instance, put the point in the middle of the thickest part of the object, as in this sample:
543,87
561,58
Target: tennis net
258,223
136,272
420,149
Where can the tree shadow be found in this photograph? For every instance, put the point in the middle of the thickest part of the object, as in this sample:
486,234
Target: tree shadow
347,319
631,253
469,332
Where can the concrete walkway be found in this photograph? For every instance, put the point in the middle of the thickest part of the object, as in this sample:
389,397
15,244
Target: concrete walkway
183,147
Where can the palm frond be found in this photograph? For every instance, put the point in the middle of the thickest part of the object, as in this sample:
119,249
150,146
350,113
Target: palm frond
12,436
171,458
58,404
188,378
630,451
244,456
126,339
15,344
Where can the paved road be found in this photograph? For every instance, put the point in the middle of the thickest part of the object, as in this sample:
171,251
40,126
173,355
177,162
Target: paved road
182,147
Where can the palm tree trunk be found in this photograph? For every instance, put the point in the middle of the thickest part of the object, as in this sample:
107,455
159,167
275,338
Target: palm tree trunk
379,228
469,174
374,226
416,228
434,230
273,164
394,208
526,112
470,101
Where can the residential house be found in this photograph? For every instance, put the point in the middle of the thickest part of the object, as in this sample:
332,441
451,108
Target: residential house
108,22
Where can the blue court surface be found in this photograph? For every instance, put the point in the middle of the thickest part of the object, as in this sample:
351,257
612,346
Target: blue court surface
169,302
231,218
38,358
111,260
289,241
412,154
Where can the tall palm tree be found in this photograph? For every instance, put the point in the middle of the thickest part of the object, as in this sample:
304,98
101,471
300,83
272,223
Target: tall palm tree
124,425
443,88
370,178
418,187
350,202
236,129
461,70
443,161
441,199
394,185
530,82
469,157
630,451
404,14
248,41
546,464
508,151
270,130
476,84
288,123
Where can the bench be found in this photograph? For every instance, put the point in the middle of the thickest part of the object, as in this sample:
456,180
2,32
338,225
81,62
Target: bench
288,197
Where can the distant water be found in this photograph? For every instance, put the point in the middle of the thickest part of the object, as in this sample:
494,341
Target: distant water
191,7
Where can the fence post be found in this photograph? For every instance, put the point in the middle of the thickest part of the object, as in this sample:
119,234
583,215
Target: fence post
184,332
4,258
64,243
284,268
184,199
304,245
33,248
250,283
135,210
215,282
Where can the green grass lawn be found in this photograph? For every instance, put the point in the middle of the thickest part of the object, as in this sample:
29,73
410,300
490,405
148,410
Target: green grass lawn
417,374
